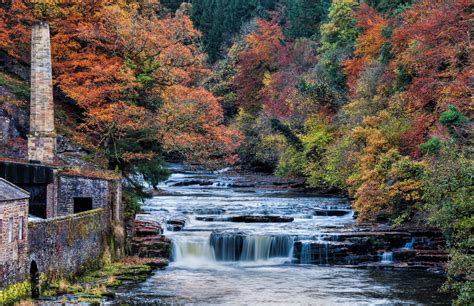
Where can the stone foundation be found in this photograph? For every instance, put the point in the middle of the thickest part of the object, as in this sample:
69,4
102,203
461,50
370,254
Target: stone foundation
41,148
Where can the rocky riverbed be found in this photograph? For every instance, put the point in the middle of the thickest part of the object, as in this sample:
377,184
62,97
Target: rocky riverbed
246,238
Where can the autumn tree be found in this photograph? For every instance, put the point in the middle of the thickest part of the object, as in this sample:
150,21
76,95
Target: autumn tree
122,64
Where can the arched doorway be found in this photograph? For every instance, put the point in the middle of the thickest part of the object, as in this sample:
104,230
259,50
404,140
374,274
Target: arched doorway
34,280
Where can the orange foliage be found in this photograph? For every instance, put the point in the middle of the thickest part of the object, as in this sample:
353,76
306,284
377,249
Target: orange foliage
120,61
191,122
368,44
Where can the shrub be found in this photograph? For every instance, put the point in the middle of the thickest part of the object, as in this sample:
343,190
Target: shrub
432,146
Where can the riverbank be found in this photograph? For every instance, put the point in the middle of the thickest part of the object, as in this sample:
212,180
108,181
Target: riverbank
248,229
94,287
256,239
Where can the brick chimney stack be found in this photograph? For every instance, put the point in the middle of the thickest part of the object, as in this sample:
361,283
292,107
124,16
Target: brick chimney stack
42,136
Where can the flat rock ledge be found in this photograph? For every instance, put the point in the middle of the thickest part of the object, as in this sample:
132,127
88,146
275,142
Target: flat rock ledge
247,219
149,243
395,249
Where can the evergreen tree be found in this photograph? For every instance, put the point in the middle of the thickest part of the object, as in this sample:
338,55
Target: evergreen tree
389,7
218,20
304,16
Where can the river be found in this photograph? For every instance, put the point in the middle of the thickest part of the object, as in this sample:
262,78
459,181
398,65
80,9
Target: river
216,261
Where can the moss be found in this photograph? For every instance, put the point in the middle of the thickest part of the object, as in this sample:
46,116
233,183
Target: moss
15,292
20,90
96,284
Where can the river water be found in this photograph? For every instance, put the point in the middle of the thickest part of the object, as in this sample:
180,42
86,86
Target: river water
216,261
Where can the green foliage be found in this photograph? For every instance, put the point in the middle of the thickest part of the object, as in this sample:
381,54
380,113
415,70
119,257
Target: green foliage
304,16
255,129
270,149
403,79
15,292
131,200
172,5
311,160
452,118
338,36
218,20
152,171
432,146
285,130
292,163
20,89
390,7
449,194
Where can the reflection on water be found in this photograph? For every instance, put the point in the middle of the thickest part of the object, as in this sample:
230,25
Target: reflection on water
258,283
222,262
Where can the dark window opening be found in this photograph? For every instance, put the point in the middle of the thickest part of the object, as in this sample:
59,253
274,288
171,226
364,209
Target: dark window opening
34,280
82,204
38,199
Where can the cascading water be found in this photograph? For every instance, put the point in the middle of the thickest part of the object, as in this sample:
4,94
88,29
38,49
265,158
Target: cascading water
409,245
240,247
192,249
305,256
387,257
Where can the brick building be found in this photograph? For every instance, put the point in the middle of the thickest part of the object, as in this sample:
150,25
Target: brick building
13,233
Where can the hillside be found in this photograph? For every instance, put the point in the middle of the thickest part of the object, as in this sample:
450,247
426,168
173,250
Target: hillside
369,99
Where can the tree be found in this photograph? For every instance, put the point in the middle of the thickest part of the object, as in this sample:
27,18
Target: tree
338,36
305,16
122,64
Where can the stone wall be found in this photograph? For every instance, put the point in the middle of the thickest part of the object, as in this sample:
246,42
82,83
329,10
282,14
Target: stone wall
13,254
72,186
64,246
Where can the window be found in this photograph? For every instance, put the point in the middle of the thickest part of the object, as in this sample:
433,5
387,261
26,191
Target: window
82,204
20,229
10,230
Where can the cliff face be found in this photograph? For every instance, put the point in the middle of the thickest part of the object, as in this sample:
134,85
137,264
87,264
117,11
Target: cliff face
14,101
14,116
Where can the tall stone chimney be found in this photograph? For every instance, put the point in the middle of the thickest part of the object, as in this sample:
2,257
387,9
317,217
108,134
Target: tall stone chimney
42,136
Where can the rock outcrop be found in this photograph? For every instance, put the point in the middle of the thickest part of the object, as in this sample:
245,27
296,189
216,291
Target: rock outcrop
148,242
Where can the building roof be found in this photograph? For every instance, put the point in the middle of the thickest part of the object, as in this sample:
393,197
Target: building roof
11,192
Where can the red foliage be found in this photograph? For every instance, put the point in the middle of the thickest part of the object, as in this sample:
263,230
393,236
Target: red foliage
433,43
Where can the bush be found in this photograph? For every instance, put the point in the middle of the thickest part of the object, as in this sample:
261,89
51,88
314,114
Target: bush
449,194
131,201
432,146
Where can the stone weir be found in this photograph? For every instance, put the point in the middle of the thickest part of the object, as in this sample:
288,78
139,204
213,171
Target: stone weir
416,249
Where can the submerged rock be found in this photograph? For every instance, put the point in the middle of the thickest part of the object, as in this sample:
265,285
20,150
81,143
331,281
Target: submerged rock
175,223
247,219
209,211
331,212
261,219
192,183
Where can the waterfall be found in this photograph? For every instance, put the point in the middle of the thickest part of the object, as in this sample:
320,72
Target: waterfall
387,257
409,245
185,249
305,256
227,247
240,247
